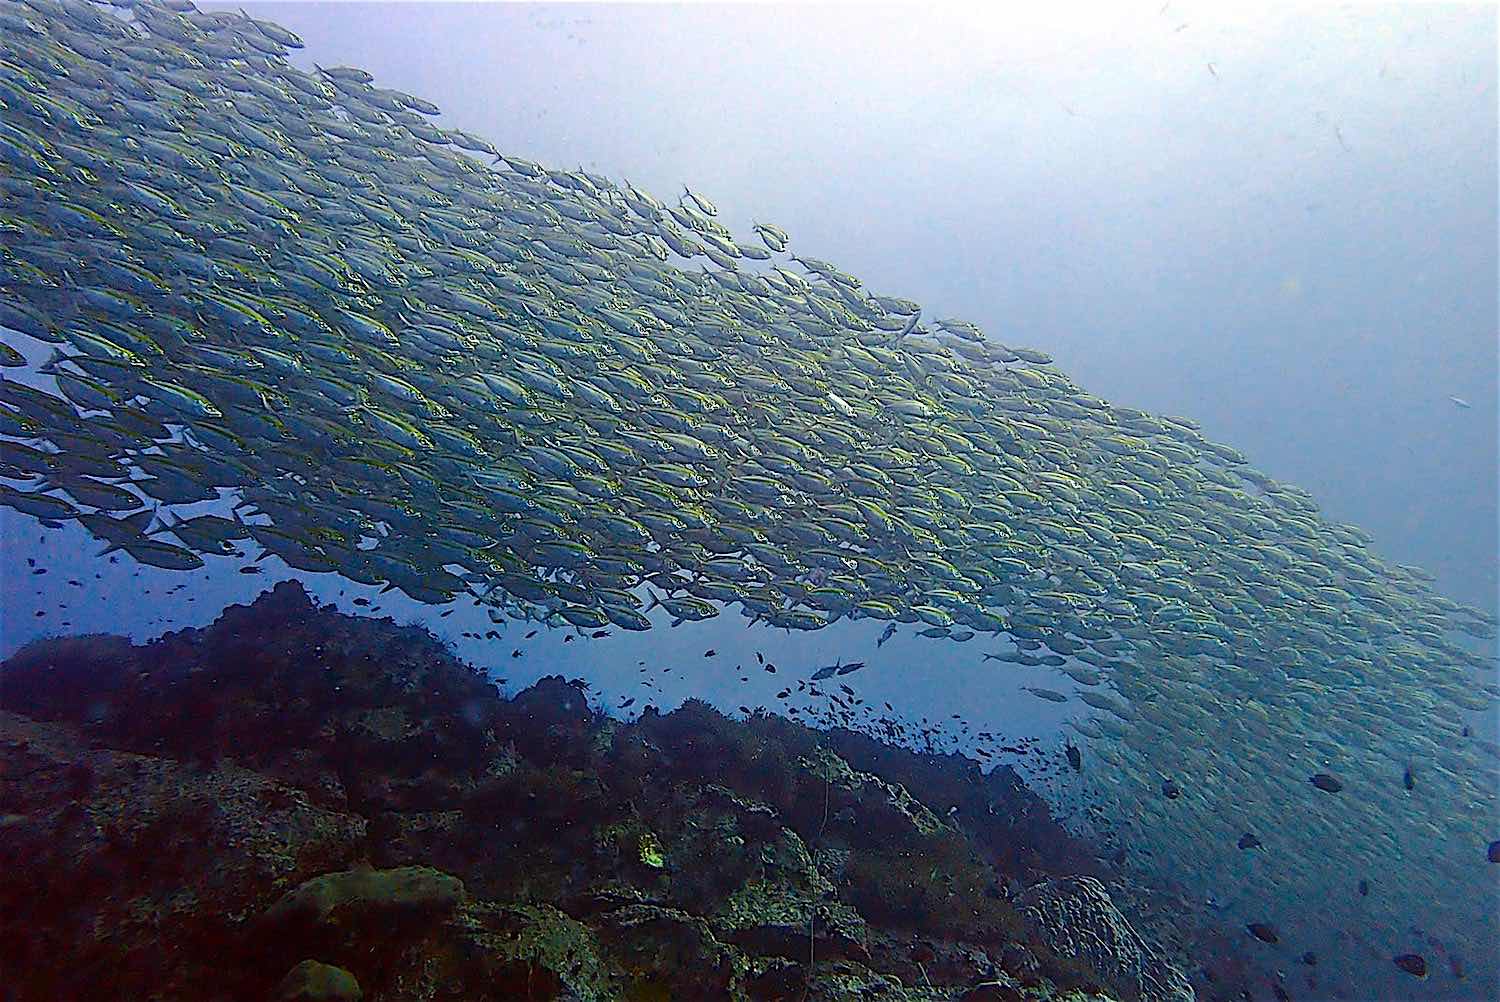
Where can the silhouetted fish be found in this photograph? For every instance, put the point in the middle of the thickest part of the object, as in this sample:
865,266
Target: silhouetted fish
1411,963
1264,931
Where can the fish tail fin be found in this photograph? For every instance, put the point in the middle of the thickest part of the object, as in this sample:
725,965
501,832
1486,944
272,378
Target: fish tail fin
161,515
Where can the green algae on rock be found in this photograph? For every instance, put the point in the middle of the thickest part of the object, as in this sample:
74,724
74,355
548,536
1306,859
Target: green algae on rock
313,981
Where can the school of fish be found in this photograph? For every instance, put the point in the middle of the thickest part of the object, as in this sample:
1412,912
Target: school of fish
420,362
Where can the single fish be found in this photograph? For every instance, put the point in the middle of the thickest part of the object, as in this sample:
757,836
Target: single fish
1264,931
1412,963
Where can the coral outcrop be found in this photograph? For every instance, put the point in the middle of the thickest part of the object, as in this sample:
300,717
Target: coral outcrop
298,804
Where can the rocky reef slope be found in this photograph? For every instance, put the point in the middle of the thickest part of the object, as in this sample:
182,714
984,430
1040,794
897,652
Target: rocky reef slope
294,803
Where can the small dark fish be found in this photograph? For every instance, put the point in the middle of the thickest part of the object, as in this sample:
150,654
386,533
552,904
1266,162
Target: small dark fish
529,635
1264,931
759,657
1467,732
568,639
852,666
848,691
1075,757
515,654
448,612
628,703
745,709
1495,851
361,601
252,569
599,634
1364,888
1411,963
1407,780
710,653
1249,841
1171,790
890,631
1327,783
827,671
1310,959
770,668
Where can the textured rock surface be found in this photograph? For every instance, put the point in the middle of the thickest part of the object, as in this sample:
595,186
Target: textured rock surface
294,801
1075,917
312,981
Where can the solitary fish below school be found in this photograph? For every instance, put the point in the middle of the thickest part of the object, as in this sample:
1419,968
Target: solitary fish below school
1264,931
1412,963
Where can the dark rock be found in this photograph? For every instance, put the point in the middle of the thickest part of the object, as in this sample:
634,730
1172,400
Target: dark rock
993,991
221,804
1020,963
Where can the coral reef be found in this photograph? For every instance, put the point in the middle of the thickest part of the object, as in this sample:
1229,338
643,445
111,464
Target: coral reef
293,803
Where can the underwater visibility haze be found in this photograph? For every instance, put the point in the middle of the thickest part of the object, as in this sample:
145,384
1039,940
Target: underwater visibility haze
1101,399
